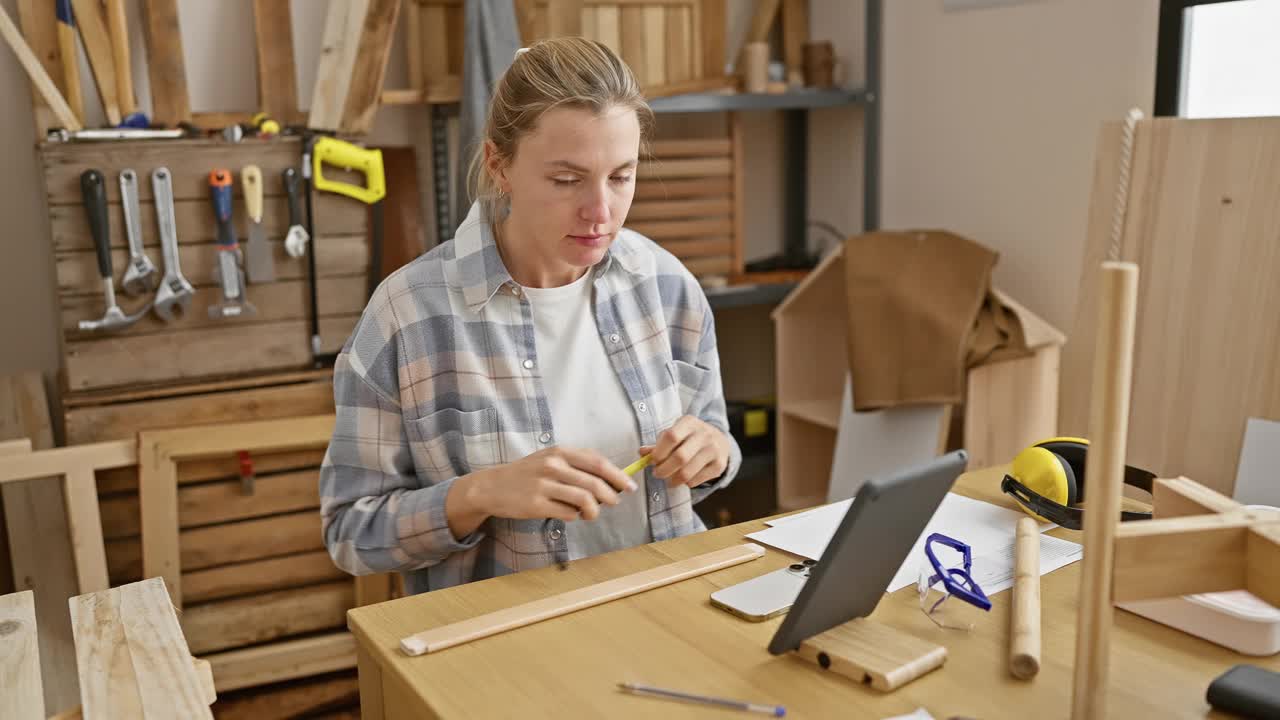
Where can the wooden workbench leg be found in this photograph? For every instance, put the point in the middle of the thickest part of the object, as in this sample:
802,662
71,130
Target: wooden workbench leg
370,686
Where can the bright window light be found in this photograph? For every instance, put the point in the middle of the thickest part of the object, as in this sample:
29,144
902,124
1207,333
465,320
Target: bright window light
1232,62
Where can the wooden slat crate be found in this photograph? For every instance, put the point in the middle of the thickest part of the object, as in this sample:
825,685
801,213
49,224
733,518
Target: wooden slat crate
195,347
689,200
671,45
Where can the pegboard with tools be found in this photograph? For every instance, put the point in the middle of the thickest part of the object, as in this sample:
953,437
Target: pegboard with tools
242,303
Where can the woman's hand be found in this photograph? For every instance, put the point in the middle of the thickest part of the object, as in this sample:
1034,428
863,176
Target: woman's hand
560,483
690,452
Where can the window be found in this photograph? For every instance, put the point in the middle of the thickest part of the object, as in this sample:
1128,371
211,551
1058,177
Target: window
1218,58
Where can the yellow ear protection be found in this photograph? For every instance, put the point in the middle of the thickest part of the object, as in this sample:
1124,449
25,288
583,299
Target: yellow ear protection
1047,480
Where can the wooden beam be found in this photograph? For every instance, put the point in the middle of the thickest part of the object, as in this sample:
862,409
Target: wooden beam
21,691
1262,567
338,47
277,76
92,21
166,65
1180,556
370,68
133,658
84,524
287,660
59,461
40,78
1178,497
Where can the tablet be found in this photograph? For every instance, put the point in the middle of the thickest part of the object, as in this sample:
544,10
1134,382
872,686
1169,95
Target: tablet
883,523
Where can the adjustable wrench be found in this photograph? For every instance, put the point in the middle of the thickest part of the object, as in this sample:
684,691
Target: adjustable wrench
174,292
140,276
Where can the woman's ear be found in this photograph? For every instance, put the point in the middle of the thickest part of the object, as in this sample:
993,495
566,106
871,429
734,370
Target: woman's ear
496,166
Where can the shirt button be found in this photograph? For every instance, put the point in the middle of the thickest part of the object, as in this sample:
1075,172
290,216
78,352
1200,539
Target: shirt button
528,364
642,407
544,438
515,290
555,533
614,338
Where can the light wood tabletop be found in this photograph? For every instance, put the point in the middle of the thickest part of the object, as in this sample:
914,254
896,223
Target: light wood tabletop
672,637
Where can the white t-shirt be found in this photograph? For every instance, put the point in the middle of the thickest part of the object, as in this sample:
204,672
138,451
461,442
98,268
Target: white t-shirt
589,409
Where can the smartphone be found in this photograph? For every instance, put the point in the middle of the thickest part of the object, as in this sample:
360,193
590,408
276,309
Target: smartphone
766,596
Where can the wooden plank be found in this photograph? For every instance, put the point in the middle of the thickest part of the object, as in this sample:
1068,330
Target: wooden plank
206,547
679,45
124,421
197,471
341,41
220,501
711,31
660,230
91,21
57,461
280,661
230,350
188,160
304,698
276,302
21,691
661,189
40,548
697,147
762,20
795,33
608,27
564,17
1201,222
413,46
1179,497
335,256
158,501
700,247
260,576
672,209
634,51
1262,566
264,435
736,136
655,44
447,636
166,63
85,528
133,659
40,32
455,34
370,66
435,51
277,76
226,624
665,169
1180,556
335,215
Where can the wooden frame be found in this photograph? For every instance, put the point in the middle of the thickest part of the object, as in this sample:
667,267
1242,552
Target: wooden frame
1201,541
76,466
158,454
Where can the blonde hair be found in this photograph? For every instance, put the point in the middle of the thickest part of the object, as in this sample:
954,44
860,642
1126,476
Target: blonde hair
559,72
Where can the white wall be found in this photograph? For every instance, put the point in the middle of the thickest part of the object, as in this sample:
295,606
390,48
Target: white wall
990,124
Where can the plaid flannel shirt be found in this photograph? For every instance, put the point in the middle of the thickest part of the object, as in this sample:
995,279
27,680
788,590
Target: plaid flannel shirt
440,379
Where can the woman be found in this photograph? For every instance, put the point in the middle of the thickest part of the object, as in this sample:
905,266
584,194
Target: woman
495,385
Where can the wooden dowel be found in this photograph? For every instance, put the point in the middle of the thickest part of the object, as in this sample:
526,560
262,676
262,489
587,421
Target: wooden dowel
1024,637
1104,466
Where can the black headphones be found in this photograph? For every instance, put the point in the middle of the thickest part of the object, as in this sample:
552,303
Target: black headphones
1047,480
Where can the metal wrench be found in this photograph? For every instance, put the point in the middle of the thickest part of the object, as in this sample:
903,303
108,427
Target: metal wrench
140,276
174,292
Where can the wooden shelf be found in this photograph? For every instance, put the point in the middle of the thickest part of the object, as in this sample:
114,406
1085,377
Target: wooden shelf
819,412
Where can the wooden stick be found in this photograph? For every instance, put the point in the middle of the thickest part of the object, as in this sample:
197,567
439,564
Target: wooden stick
40,78
118,26
1024,638
92,21
465,631
1108,433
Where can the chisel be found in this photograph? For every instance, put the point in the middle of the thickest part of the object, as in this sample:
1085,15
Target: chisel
259,264
230,275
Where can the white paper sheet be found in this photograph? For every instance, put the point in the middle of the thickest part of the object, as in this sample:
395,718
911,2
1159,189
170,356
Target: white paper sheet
987,529
994,571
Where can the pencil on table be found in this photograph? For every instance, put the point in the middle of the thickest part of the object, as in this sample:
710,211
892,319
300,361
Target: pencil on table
1024,636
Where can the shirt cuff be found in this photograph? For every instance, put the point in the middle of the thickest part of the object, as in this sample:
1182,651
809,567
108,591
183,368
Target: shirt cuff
424,527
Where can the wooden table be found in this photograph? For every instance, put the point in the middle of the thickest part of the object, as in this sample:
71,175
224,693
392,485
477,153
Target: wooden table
672,637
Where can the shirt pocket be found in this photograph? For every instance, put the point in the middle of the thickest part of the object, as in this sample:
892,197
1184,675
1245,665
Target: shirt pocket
688,382
452,442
